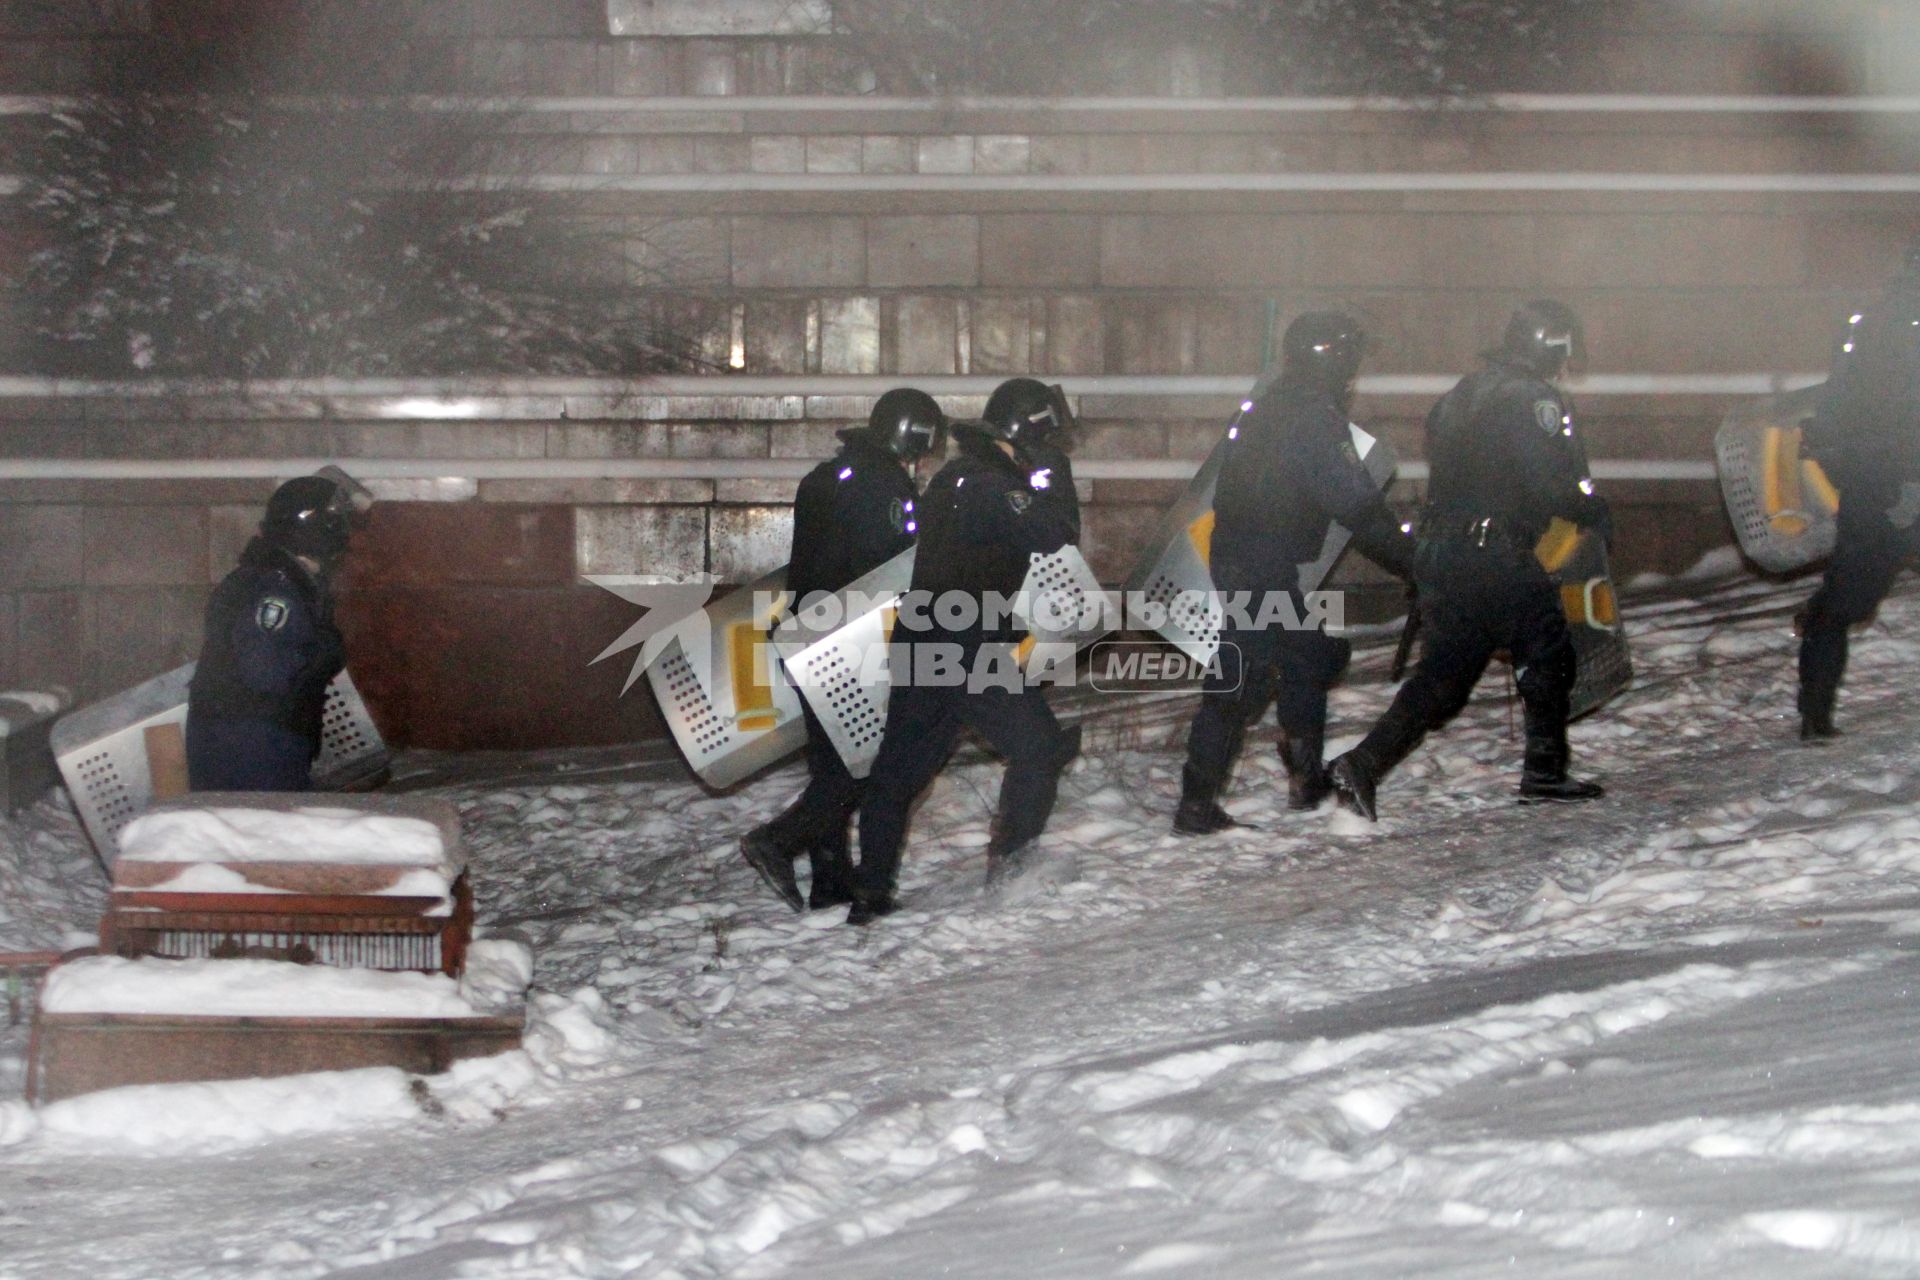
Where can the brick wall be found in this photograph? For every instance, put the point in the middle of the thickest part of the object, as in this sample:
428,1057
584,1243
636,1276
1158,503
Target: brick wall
468,620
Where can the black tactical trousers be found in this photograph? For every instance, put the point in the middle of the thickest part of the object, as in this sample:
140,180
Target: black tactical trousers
1291,668
1868,554
817,823
923,726
1476,600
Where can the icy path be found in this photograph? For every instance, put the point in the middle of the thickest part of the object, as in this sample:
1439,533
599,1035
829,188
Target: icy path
1673,1033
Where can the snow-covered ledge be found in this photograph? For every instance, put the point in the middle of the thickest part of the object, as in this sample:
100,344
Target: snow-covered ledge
717,17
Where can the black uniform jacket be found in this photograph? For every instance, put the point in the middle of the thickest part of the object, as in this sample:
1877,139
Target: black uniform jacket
1503,447
986,517
1291,469
852,514
1866,428
271,646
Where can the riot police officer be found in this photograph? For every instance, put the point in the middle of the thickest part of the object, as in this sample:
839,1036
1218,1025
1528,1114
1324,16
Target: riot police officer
1865,433
984,517
271,648
1505,460
1291,470
852,514
1040,416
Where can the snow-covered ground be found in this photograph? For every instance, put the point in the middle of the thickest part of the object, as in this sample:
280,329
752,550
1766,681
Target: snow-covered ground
1672,1033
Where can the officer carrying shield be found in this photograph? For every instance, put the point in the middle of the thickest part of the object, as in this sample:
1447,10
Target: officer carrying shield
1291,470
983,518
1865,434
1505,461
852,514
1046,428
271,648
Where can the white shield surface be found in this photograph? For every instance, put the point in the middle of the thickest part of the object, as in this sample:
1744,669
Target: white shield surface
1174,573
725,697
102,749
1781,504
836,652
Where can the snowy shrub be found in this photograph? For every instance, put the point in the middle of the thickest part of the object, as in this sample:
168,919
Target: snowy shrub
236,202
1038,47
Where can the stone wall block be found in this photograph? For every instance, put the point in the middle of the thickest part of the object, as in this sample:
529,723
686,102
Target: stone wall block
230,528
1076,336
922,251
1058,153
41,546
598,492
1158,337
53,641
608,154
587,439
833,154
849,335
780,253
145,546
720,439
814,439
1002,334
723,155
1030,251
137,633
1002,153
778,154
1226,251
951,153
10,675
457,439
926,335
776,335
634,68
886,154
747,542
758,493
668,541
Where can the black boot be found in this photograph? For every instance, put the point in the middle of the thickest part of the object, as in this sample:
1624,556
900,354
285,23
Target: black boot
1307,780
1544,775
1357,774
774,862
1823,660
832,877
1199,813
1354,778
866,910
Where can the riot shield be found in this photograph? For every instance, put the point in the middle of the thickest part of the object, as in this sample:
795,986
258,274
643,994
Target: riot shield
1173,576
1782,506
106,751
1577,561
835,651
724,696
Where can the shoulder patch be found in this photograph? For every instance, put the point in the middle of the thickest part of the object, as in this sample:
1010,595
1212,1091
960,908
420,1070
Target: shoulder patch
1549,415
1019,500
897,515
271,614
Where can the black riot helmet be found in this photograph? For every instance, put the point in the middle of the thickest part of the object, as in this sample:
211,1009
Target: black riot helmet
1028,411
1543,337
309,516
1322,350
908,424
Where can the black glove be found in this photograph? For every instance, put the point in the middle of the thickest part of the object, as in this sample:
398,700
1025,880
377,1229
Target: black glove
1388,543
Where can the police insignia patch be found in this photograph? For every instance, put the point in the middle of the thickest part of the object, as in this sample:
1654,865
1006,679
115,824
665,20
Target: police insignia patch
1019,500
1549,415
897,516
272,614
